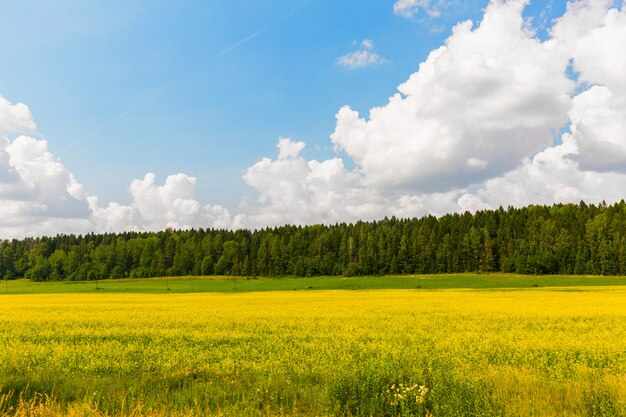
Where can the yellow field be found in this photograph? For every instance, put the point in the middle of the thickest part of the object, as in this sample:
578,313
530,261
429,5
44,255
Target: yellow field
539,352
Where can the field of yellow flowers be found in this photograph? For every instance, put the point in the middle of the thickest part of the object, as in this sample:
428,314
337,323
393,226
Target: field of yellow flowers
527,352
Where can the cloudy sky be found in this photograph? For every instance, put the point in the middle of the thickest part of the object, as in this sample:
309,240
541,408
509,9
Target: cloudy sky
141,115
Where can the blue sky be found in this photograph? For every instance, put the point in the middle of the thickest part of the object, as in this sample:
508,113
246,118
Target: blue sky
119,89
78,65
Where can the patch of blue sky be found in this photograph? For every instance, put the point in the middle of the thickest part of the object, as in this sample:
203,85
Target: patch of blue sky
195,109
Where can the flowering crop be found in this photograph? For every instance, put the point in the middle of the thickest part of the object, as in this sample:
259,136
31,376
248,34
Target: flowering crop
540,352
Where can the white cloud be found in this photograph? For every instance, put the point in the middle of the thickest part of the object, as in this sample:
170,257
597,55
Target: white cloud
15,118
595,39
599,128
155,207
491,94
409,8
359,59
590,163
364,57
472,128
596,54
550,177
288,149
38,195
367,44
481,110
476,163
294,190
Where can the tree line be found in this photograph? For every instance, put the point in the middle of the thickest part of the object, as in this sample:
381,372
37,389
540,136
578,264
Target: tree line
557,239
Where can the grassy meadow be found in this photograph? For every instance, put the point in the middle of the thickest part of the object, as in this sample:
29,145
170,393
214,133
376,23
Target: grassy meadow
247,284
524,346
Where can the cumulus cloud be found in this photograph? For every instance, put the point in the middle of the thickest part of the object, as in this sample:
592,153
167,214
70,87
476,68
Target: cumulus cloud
359,59
38,195
472,128
15,118
594,38
409,8
475,108
552,176
364,57
367,44
294,190
590,162
598,121
155,207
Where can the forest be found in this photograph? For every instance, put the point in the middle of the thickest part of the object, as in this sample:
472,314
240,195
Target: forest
558,239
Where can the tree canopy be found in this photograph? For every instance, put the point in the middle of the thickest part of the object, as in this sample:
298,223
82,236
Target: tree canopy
558,239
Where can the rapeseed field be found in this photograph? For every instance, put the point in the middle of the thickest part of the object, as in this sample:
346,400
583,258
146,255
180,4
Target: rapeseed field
530,352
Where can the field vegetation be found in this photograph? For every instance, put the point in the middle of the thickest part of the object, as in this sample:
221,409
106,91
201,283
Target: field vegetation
231,284
517,350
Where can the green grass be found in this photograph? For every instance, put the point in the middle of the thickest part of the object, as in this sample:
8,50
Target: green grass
242,284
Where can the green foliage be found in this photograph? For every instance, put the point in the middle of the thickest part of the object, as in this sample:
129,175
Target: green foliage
601,401
184,285
560,239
